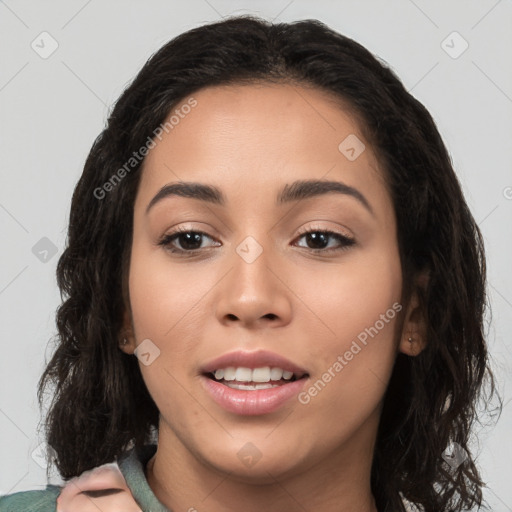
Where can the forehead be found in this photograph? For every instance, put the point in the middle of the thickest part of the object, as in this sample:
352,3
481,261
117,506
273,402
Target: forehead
252,137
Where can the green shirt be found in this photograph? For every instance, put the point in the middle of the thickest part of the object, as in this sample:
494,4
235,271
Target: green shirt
132,465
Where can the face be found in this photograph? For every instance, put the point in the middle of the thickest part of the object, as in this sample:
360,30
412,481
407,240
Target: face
309,284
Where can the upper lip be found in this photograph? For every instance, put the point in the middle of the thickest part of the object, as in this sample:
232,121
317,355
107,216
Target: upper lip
255,359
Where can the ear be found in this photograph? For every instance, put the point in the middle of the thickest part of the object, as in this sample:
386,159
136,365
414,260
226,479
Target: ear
414,331
127,336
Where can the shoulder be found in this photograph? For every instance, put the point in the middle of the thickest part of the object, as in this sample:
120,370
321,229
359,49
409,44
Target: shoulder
104,488
31,501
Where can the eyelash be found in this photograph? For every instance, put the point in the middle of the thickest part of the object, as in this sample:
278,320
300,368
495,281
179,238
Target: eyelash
167,239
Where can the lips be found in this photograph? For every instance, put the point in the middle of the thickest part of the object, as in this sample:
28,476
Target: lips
252,383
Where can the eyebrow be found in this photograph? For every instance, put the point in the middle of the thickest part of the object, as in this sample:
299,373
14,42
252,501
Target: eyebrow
302,189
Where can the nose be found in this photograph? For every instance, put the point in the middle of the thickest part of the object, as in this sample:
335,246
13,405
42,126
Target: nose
254,292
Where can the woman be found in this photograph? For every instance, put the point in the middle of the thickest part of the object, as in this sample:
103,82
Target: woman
274,290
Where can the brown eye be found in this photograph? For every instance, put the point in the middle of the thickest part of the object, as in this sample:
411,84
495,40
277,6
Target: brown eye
318,240
188,240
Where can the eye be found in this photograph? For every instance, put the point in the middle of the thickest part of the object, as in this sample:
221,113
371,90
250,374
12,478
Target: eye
189,240
319,239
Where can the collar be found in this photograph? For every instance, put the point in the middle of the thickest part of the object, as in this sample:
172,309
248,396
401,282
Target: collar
132,464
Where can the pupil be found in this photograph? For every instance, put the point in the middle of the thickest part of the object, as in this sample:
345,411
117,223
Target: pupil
190,239
315,237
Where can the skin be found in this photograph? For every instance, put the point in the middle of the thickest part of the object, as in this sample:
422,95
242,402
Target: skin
249,141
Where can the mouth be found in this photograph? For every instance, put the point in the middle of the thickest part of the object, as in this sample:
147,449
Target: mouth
252,383
252,379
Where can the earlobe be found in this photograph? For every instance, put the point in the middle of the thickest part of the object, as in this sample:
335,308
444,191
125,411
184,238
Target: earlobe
414,332
126,337
412,345
126,344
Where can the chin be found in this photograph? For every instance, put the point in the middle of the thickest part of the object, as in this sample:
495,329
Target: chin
256,462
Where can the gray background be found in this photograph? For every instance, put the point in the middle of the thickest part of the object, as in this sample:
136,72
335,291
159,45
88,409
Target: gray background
52,109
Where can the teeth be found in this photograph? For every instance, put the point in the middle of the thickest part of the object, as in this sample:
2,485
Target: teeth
243,374
263,374
229,373
251,387
276,373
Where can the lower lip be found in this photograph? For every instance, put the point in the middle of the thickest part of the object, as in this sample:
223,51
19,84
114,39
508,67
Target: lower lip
250,403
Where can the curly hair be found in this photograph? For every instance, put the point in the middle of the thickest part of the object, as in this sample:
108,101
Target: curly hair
101,405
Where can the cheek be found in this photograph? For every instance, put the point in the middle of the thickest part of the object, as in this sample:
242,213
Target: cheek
350,300
162,296
354,358
163,311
